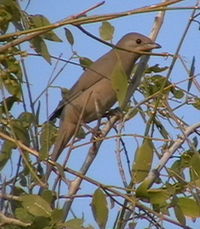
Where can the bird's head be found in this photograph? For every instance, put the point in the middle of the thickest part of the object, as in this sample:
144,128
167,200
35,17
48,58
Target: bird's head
137,42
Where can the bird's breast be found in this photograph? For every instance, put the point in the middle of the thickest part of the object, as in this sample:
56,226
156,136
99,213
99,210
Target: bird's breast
95,101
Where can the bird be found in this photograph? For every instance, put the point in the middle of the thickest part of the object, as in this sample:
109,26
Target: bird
93,94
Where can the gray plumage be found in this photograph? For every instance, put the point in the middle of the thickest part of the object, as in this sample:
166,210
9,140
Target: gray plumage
94,89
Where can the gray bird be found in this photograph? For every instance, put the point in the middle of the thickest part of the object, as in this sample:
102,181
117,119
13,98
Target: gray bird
92,95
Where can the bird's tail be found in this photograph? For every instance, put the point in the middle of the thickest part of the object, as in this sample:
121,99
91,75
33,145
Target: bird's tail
65,133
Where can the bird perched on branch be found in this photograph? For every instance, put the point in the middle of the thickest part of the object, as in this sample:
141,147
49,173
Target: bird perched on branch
93,94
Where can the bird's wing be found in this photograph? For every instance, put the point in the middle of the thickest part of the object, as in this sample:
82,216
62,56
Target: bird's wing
90,77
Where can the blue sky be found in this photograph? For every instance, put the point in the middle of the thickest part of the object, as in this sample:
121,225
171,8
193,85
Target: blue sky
105,169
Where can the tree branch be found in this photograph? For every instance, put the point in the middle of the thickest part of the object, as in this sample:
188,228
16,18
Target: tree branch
78,19
168,153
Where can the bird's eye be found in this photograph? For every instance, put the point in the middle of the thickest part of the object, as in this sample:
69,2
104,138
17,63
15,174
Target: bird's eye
138,41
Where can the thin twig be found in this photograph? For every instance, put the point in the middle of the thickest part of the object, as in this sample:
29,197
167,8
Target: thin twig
32,33
169,152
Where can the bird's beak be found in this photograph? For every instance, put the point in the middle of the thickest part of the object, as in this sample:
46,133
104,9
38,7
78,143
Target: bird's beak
149,46
155,45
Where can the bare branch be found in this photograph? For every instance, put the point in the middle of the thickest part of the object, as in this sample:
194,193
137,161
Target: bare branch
168,153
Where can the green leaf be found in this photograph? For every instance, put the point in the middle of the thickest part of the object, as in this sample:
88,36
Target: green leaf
106,31
11,84
23,215
178,94
161,208
37,114
191,74
16,191
179,214
41,222
189,207
47,195
153,84
119,82
41,48
39,21
5,153
85,62
9,103
161,128
57,215
142,190
186,158
155,68
196,103
36,205
143,161
47,138
176,169
74,223
5,18
11,7
69,36
20,131
13,65
26,119
195,166
158,196
100,208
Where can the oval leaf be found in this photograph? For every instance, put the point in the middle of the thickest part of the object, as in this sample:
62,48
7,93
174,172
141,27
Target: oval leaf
191,74
69,36
178,94
195,168
143,161
74,223
189,207
106,31
47,138
158,196
6,150
119,82
196,103
12,85
179,214
9,101
36,205
23,215
27,119
41,48
39,21
155,68
85,62
20,131
57,215
100,208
